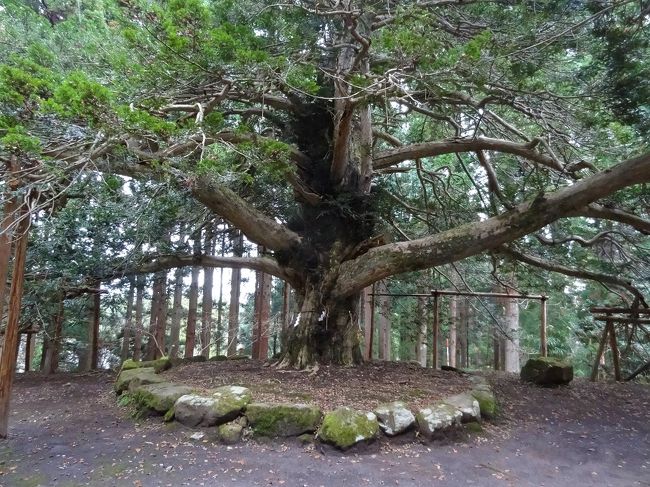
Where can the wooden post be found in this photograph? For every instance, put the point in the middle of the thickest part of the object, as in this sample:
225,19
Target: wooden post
614,346
599,353
436,332
94,351
8,355
543,347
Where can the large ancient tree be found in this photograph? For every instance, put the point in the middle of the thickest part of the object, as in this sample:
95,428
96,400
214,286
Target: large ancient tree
353,140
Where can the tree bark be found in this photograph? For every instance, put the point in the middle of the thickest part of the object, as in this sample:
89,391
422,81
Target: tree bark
128,321
177,314
52,346
262,315
384,323
233,311
139,304
206,307
422,348
8,356
94,309
367,299
511,344
190,330
6,235
158,317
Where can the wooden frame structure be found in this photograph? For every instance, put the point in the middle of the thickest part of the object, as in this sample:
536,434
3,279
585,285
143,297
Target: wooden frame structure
30,332
437,293
612,317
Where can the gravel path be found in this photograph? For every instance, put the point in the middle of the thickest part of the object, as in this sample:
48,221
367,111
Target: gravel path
68,431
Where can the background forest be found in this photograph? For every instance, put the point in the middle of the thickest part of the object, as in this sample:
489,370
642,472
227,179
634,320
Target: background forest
135,263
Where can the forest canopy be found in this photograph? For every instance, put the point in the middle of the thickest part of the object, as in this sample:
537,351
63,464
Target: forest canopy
348,141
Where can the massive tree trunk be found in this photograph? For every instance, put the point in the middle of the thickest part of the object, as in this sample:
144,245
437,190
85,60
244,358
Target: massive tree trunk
52,343
511,345
262,314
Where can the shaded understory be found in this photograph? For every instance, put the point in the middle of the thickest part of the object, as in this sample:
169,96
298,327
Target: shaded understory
363,387
68,431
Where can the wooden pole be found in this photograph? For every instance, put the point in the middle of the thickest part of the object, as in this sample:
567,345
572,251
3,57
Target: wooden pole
372,322
436,332
543,347
8,355
614,346
599,353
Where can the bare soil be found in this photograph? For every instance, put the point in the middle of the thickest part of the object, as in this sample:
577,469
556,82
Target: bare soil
362,387
68,431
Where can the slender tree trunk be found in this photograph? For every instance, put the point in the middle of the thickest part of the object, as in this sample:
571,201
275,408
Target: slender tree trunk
139,304
422,350
511,346
190,330
286,319
233,311
52,346
206,308
462,332
94,309
453,327
6,234
158,317
30,343
8,356
218,343
128,320
384,324
177,314
262,315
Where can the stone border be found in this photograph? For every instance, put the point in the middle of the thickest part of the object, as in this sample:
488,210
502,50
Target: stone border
231,409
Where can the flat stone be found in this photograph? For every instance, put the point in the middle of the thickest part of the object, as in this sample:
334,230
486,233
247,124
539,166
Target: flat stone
394,418
224,405
547,371
197,436
159,397
467,405
437,418
140,376
345,427
283,419
159,365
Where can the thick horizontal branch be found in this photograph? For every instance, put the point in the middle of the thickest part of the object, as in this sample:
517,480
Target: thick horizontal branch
165,262
454,146
601,212
476,237
568,271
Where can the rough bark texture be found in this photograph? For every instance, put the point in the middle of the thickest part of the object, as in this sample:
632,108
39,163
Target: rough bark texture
128,321
262,315
177,315
139,304
233,310
52,344
511,343
206,305
384,324
8,355
190,330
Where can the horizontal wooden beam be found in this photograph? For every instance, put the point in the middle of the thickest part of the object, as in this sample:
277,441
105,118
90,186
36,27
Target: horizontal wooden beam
603,309
620,319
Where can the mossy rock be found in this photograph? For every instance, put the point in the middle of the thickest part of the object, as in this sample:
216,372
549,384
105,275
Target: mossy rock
282,419
468,406
394,418
145,375
159,365
188,360
218,358
547,371
225,404
486,400
159,397
230,433
437,419
345,427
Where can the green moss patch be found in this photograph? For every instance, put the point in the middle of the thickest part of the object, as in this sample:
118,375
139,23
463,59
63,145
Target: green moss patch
159,397
159,365
346,427
140,376
282,419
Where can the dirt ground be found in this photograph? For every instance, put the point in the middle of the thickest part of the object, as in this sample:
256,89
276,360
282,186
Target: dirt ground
329,387
68,431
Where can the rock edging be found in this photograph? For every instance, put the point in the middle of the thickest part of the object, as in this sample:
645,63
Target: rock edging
230,409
